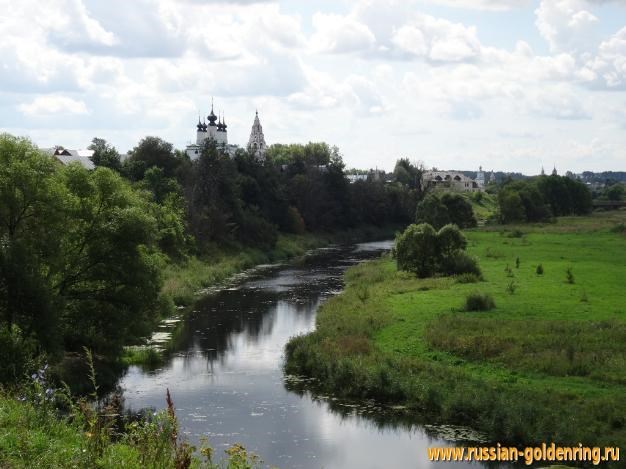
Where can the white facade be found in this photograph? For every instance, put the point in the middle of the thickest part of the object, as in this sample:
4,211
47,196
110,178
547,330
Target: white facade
216,129
480,177
256,143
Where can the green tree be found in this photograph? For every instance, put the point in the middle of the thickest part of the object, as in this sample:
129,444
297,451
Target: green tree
105,155
511,207
415,250
79,264
615,192
459,209
151,152
433,211
450,240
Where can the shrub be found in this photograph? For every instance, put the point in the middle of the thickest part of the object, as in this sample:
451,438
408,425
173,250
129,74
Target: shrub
468,278
450,240
479,302
539,269
16,354
517,263
569,276
460,263
511,287
424,252
415,250
619,228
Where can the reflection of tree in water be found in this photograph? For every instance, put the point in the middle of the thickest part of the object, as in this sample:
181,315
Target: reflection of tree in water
382,417
251,303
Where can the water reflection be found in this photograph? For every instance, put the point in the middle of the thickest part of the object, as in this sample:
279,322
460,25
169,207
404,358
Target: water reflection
226,380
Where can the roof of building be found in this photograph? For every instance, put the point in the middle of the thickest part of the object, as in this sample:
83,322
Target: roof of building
66,156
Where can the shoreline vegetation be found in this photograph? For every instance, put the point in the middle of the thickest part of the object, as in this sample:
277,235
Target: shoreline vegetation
546,363
186,282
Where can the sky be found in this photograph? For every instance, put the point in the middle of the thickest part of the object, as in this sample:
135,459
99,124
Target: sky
509,85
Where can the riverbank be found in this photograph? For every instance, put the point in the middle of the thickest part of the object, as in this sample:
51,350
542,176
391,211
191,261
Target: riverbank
33,434
547,364
184,282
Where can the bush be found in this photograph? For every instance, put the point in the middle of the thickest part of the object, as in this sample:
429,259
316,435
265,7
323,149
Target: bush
16,355
479,302
569,276
450,240
415,250
423,251
539,269
460,263
468,278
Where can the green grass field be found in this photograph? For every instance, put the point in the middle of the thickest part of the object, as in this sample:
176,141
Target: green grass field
547,364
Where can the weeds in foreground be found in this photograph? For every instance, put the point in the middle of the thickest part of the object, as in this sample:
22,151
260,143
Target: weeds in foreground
47,425
569,276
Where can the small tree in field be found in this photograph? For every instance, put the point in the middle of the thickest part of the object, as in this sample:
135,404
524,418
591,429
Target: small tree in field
416,250
425,252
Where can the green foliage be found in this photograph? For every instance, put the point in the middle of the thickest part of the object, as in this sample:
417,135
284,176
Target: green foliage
615,192
80,261
460,263
468,278
539,199
539,270
439,210
151,152
569,276
416,250
511,287
545,366
35,434
105,155
477,301
421,250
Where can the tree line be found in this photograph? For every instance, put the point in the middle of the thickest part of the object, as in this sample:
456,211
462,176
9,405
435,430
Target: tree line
542,198
82,252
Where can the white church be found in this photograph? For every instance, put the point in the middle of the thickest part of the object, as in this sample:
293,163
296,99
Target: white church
216,129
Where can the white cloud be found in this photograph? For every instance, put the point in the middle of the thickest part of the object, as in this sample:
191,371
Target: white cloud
340,34
435,86
437,40
567,26
53,104
495,5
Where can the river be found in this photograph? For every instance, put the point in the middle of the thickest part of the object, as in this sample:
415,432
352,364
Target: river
227,383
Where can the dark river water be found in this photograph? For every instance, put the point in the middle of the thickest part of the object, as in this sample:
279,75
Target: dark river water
227,383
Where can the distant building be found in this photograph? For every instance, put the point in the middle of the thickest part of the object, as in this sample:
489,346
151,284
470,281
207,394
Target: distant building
480,177
256,142
450,181
65,156
215,128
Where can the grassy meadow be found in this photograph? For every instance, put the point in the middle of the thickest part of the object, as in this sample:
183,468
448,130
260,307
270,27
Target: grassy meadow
548,363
